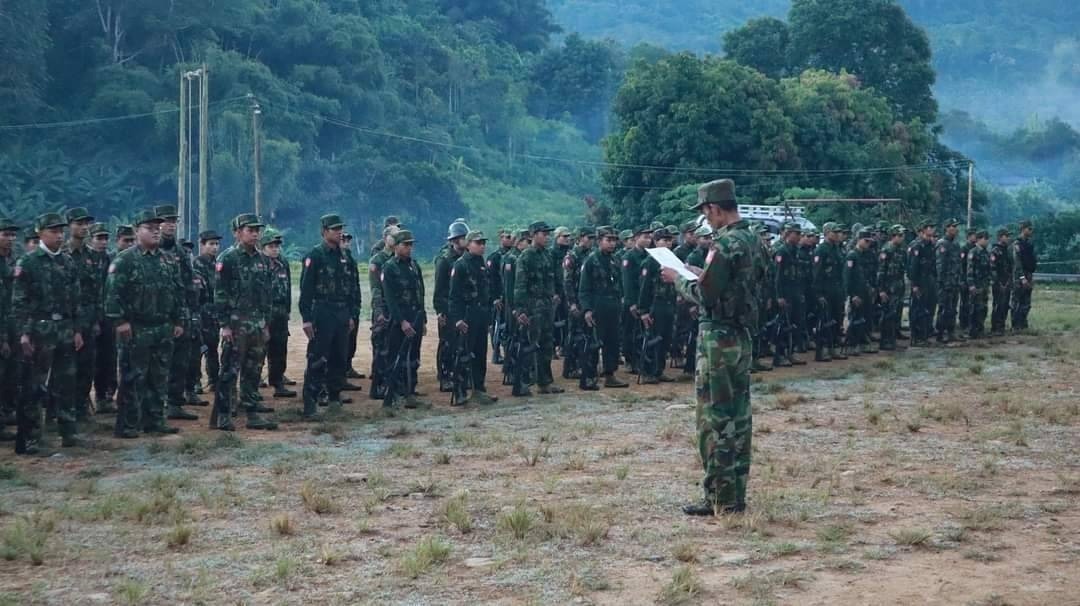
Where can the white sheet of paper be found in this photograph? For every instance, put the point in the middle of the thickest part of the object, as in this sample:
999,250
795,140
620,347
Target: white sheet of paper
666,258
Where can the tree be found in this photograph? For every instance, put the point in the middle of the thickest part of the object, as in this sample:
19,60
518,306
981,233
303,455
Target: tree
24,40
524,24
761,44
579,79
872,39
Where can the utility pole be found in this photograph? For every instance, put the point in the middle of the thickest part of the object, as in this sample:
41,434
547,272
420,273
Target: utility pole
204,146
181,168
971,191
255,113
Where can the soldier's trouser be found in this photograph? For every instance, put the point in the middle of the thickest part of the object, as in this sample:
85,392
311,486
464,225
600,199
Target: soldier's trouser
834,311
691,349
922,313
574,328
477,343
326,354
558,333
144,366
9,379
354,335
444,355
858,323
608,331
946,317
760,340
541,316
404,379
240,361
105,371
179,363
663,327
965,309
53,362
85,367
380,354
277,350
724,420
979,302
890,318
631,332
1020,305
195,354
210,336
1001,307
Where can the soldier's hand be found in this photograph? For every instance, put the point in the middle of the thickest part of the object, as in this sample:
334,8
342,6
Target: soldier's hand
523,319
266,333
972,289
647,320
309,330
462,326
498,304
856,301
27,346
916,291
78,341
634,311
555,299
352,325
177,332
407,329
884,297
782,303
123,331
668,275
694,269
226,335
575,310
442,320
694,312
589,319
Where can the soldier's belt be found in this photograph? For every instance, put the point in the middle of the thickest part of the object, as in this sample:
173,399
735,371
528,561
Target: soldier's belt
51,317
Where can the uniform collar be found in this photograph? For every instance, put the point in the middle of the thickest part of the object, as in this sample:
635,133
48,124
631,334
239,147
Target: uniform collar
58,252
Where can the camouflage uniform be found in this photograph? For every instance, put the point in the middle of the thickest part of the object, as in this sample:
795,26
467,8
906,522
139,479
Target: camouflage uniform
922,272
9,366
90,270
46,307
470,300
950,281
277,346
764,280
327,302
600,292
632,261
1001,264
1023,278
560,328
788,287
575,324
403,295
178,261
440,299
828,282
724,418
965,294
979,275
890,283
657,299
534,292
507,273
860,293
141,292
357,306
242,295
379,324
203,269
804,258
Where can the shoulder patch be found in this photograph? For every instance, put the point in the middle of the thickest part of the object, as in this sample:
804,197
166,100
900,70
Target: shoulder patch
506,267
307,262
915,251
779,258
993,257
709,257
882,256
219,266
567,262
941,249
850,263
453,270
644,271
817,259
18,270
373,268
112,268
626,262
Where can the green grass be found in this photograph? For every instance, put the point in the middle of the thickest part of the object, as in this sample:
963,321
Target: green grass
427,554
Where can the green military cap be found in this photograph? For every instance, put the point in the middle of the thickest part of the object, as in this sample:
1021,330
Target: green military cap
390,220
689,226
188,244
562,230
390,229
78,214
662,234
99,228
762,229
882,226
586,231
125,231
643,229
952,223
897,230
982,233
346,235
655,225
671,229
270,236
146,215
30,233
208,236
626,233
841,227
828,227
1026,223
926,223
166,211
248,220
606,231
523,234
792,226
475,236
865,234
8,225
1004,231
331,221
540,226
403,237
704,231
721,191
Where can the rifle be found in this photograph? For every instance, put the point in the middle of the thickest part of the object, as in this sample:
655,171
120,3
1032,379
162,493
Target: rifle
497,338
462,371
521,352
649,344
441,370
403,359
587,347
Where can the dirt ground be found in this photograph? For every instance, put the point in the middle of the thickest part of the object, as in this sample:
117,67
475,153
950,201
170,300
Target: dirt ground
948,475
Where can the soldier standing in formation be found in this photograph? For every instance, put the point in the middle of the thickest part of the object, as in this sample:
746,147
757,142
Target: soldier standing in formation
535,298
656,304
789,297
978,277
105,345
950,281
890,284
178,261
9,375
494,265
599,297
455,247
470,301
403,295
559,251
90,275
354,334
632,260
277,346
922,272
828,282
1023,277
965,293
380,320
203,266
1001,265
571,276
860,293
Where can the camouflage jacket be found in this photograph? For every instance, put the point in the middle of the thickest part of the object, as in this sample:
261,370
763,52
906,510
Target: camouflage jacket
1024,261
494,265
656,295
141,289
354,281
600,283
979,271
280,287
440,298
632,261
683,250
45,299
202,268
403,291
949,264
571,273
965,254
558,253
375,265
506,277
890,274
804,256
534,280
91,277
856,280
1001,264
243,289
326,279
786,273
697,256
725,290
7,279
470,290
187,292
828,269
922,267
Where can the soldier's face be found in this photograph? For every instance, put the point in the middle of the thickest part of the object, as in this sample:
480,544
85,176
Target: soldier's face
563,240
125,243
585,242
148,235
403,250
1004,240
458,244
607,245
506,241
272,250
249,236
792,237
333,235
210,248
982,242
100,242
951,231
7,240
52,237
1027,232
477,247
79,229
540,238
643,240
168,228
664,243
31,244
898,239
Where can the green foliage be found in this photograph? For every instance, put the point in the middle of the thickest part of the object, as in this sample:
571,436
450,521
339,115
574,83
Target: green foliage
762,44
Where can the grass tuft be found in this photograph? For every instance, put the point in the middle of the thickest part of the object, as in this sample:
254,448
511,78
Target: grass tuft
683,588
317,501
427,554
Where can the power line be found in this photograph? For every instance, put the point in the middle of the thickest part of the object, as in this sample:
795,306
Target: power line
89,121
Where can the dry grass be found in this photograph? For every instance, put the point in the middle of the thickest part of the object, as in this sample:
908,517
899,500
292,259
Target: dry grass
317,501
683,588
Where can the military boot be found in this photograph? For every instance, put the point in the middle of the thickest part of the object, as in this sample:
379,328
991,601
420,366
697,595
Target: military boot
411,401
550,388
483,398
27,447
757,366
793,361
611,381
290,382
351,387
126,434
649,380
588,385
106,406
73,440
263,408
822,355
837,354
177,413
161,429
779,361
664,378
281,392
254,421
192,399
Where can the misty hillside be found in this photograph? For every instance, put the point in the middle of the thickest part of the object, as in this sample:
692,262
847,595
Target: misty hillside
1005,62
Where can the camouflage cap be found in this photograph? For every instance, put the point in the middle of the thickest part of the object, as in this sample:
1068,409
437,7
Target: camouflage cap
882,226
248,220
8,225
146,216
270,236
208,236
562,230
811,232
583,232
762,229
841,227
331,221
865,234
1004,231
662,234
79,214
927,223
829,227
390,230
721,191
1027,224
166,211
704,231
125,231
475,236
952,223
403,237
188,244
655,225
689,226
98,229
792,226
626,234
523,234
540,226
982,234
643,229
606,231
897,230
